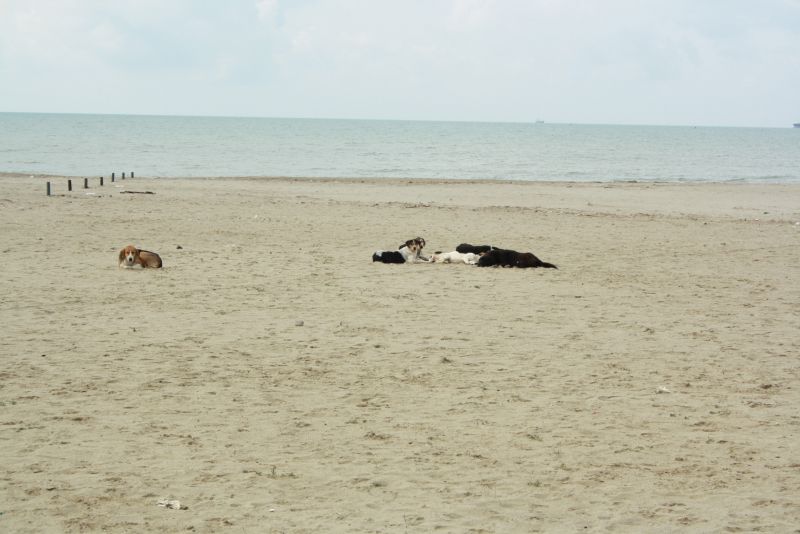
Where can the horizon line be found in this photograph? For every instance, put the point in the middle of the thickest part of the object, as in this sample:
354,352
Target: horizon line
464,121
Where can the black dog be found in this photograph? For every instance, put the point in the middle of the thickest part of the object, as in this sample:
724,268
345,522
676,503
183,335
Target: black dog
498,257
465,248
512,258
527,259
389,256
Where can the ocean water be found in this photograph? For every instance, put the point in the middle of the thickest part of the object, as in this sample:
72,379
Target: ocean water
96,145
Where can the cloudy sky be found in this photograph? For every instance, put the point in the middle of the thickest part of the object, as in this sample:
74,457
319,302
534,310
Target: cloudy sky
692,62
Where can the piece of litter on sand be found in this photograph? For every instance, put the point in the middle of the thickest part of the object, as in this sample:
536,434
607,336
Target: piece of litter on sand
662,389
173,504
299,323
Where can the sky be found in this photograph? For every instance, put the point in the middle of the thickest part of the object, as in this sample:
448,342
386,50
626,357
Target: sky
664,62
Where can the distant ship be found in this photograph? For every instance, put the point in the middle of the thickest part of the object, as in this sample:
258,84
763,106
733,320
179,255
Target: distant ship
797,125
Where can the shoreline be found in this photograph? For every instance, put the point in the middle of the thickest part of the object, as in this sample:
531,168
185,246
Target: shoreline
422,180
739,200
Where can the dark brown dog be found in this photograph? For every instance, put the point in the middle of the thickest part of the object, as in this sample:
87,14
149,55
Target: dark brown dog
466,248
527,259
512,258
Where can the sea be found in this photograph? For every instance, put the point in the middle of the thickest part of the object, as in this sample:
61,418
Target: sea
177,146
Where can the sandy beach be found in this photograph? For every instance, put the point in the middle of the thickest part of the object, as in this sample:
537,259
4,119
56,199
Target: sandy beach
272,378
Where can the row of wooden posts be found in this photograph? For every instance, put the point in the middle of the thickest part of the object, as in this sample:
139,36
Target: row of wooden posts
86,182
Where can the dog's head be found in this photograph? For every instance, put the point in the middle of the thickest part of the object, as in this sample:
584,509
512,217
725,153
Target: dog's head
415,245
128,256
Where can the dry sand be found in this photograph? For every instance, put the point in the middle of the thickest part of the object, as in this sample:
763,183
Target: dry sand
273,379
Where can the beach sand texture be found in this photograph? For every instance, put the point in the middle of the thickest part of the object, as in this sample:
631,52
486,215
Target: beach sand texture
273,379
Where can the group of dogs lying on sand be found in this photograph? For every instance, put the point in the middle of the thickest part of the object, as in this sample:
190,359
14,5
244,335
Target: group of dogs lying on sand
480,255
408,252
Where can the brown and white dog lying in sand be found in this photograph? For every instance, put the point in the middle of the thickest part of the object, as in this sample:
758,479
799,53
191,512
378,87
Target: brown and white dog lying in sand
408,252
131,257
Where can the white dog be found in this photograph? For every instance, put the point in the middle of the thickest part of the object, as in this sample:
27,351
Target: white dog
469,258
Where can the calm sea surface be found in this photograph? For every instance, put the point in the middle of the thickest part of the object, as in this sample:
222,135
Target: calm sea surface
95,145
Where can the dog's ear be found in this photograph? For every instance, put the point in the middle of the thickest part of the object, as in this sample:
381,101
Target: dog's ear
121,254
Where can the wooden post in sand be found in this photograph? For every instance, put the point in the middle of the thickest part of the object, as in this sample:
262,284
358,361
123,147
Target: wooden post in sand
69,185
123,175
131,175
112,177
86,183
101,181
48,189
